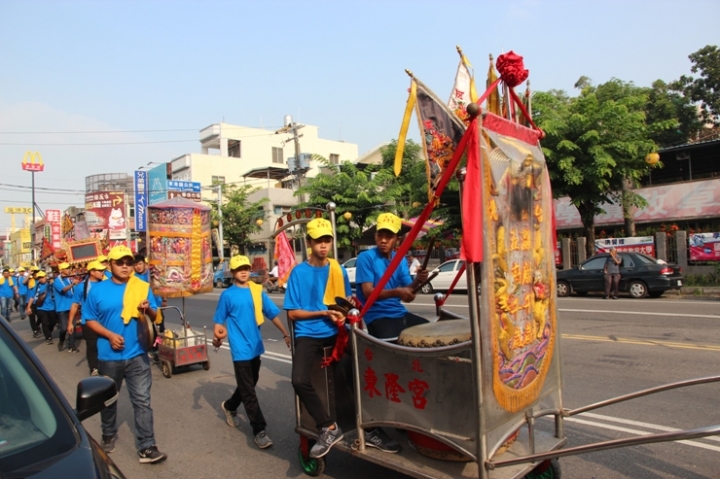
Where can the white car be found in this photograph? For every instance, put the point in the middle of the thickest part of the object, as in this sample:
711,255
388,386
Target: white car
349,266
446,274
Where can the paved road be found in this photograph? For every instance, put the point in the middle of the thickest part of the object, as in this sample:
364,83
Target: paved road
608,348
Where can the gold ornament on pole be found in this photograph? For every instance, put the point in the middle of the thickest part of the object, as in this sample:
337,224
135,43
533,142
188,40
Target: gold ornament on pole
259,222
652,158
347,215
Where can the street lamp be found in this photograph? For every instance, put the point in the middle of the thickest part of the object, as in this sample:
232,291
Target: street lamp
331,207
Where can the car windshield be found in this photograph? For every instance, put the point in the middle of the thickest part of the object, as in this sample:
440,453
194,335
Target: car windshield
33,425
350,263
646,259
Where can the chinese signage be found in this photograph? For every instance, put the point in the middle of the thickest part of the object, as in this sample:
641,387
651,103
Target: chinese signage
699,199
105,214
191,195
32,161
185,186
53,217
639,244
14,210
704,247
141,200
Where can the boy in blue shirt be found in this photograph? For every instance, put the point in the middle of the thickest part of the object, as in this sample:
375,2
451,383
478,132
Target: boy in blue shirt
8,292
31,284
43,299
63,288
21,282
311,288
238,315
111,310
387,317
96,273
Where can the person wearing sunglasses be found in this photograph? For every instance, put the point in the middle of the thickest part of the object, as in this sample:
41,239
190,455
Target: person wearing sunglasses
112,309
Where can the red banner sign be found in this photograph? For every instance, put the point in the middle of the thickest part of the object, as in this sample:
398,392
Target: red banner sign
105,214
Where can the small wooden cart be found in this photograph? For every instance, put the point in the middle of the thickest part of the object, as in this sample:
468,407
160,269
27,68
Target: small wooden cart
185,350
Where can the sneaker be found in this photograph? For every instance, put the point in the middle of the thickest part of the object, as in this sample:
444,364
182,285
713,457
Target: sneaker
73,350
36,334
328,438
262,440
231,418
108,443
94,372
61,346
150,455
377,438
48,341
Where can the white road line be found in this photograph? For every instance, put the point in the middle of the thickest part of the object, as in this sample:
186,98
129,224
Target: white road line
639,424
639,432
642,313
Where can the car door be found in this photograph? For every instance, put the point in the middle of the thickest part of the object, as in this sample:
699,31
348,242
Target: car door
446,275
349,266
628,271
591,277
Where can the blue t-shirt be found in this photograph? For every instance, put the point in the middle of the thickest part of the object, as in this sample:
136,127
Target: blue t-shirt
146,277
63,301
370,267
80,296
7,291
22,288
104,303
31,291
305,290
236,311
49,302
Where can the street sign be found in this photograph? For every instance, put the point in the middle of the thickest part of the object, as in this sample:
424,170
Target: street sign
184,186
15,210
191,195
32,161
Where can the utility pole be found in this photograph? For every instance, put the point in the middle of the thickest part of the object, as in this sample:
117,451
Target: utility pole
221,246
34,164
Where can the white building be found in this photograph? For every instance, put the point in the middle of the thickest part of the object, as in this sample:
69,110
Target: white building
254,156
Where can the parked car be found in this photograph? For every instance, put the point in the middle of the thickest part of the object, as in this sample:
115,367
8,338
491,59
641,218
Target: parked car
222,277
41,436
640,276
350,268
446,275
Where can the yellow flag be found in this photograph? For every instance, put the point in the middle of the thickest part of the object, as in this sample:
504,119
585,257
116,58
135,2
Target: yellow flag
404,127
493,100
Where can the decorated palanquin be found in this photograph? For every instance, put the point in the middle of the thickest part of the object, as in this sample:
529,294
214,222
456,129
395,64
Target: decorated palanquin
518,268
179,249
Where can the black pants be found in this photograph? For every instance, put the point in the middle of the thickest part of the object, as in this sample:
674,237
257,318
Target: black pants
388,329
308,355
48,320
91,352
247,374
33,318
612,283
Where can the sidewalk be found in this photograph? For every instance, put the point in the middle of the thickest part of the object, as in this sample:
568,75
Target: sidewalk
697,291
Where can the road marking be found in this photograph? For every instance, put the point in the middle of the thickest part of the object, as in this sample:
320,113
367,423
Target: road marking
642,313
639,432
640,424
669,344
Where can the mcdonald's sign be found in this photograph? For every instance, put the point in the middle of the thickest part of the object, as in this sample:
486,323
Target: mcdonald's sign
32,161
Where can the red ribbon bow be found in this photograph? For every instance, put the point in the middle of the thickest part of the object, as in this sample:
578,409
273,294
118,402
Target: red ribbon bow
511,68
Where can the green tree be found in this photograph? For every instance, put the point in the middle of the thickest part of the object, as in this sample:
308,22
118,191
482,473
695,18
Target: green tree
360,192
706,88
671,116
240,215
595,146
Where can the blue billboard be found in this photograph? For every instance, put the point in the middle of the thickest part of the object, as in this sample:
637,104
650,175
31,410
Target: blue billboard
157,184
141,200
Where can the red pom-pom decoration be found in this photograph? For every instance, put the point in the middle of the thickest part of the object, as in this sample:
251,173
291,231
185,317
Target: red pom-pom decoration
511,68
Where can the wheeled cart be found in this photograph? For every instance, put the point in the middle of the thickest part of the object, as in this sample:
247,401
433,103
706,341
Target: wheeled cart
183,350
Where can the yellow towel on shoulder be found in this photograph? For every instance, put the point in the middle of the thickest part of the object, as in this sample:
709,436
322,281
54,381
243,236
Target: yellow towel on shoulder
336,283
31,283
2,281
256,293
135,293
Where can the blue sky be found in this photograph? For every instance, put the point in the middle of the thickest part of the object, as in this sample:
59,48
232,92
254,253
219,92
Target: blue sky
133,66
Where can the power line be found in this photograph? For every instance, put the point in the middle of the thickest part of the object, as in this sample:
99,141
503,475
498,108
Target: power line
44,189
89,131
97,144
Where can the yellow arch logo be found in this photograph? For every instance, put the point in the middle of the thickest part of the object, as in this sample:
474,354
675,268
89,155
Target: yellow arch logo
32,161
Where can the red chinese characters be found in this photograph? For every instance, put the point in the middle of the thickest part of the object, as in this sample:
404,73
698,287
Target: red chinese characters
392,387
371,383
416,366
418,388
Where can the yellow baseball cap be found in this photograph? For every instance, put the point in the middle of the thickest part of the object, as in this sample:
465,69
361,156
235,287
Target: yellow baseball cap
318,228
95,265
102,258
238,261
20,269
119,252
63,266
34,268
40,274
11,270
388,221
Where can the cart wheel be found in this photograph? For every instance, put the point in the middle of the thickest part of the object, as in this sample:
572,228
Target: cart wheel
311,467
206,365
166,369
546,470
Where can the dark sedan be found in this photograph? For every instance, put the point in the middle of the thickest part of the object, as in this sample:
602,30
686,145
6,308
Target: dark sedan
40,434
640,276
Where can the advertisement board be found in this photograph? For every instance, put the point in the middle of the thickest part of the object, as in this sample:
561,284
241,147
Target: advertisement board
105,214
637,244
53,217
141,199
704,246
157,184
